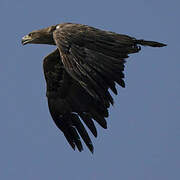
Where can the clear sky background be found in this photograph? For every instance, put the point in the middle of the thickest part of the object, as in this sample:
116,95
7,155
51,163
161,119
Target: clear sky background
143,137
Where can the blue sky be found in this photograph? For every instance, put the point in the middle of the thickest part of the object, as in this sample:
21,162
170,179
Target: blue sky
143,136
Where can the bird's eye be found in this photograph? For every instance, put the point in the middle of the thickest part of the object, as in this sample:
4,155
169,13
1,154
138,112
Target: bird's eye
30,34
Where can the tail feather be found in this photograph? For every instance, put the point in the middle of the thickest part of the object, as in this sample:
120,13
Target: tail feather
150,43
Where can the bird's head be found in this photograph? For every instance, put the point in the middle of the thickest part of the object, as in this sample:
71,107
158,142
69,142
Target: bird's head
42,36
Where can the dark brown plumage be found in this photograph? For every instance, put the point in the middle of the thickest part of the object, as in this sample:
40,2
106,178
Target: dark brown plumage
79,73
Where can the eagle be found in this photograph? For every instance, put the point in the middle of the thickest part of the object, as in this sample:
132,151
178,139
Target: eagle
86,65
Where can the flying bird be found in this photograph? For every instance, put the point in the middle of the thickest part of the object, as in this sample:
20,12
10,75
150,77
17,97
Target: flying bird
86,64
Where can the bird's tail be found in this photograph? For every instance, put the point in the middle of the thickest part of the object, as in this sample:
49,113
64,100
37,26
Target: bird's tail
150,43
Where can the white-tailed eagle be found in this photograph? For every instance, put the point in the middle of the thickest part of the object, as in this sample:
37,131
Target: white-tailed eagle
87,63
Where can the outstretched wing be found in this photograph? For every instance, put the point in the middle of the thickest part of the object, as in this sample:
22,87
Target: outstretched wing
93,57
69,103
79,74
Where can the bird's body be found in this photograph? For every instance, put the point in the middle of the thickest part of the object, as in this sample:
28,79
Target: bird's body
79,73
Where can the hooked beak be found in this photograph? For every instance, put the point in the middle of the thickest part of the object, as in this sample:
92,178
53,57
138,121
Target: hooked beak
26,39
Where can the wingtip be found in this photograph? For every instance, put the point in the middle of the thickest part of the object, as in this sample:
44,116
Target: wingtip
95,134
164,44
92,152
91,148
150,43
105,126
80,150
160,45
